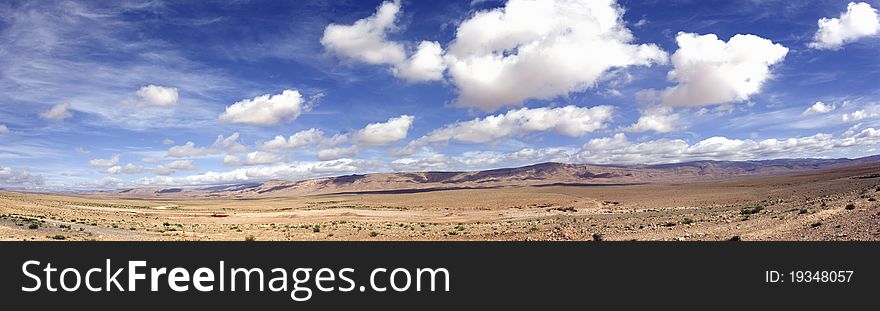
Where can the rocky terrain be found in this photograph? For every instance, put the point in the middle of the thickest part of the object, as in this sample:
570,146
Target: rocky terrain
799,199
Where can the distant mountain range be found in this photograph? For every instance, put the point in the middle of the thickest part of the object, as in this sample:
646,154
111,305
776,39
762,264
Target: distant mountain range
543,174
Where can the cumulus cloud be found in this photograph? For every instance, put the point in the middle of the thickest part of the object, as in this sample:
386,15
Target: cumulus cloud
619,150
570,121
150,159
175,166
384,133
57,113
266,109
709,71
188,149
221,144
127,169
181,165
425,65
540,50
659,119
105,162
858,115
430,162
299,139
333,153
366,41
286,171
16,178
819,108
859,21
231,160
261,158
167,142
482,159
3,129
155,96
229,144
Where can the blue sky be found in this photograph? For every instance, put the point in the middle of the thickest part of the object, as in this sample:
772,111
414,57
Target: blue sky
135,94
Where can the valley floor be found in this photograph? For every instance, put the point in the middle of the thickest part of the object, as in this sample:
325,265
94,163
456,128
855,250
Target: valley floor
826,205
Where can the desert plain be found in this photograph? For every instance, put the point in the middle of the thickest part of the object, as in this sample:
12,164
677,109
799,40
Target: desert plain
826,202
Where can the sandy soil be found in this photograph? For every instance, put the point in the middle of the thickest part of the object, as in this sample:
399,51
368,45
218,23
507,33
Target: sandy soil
827,205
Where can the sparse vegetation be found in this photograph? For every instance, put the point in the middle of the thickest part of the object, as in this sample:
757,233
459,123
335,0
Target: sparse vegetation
373,233
33,226
250,238
751,210
687,221
598,237
850,206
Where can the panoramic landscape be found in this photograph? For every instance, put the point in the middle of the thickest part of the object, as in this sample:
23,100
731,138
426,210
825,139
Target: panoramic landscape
519,120
797,199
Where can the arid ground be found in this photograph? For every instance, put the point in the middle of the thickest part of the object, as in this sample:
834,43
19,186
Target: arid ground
829,204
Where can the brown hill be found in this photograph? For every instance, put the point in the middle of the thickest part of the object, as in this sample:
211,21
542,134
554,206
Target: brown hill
543,174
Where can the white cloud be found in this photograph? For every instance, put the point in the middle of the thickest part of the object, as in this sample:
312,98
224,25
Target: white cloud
299,139
430,162
221,144
127,169
156,96
540,50
286,171
333,153
167,142
851,131
425,65
47,48
569,120
381,134
859,21
175,166
57,113
16,178
858,115
659,119
819,108
188,149
231,160
366,41
3,129
619,150
105,162
266,109
482,159
710,71
150,159
261,158
229,144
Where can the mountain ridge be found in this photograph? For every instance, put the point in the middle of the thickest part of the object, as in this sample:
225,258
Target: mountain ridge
539,174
